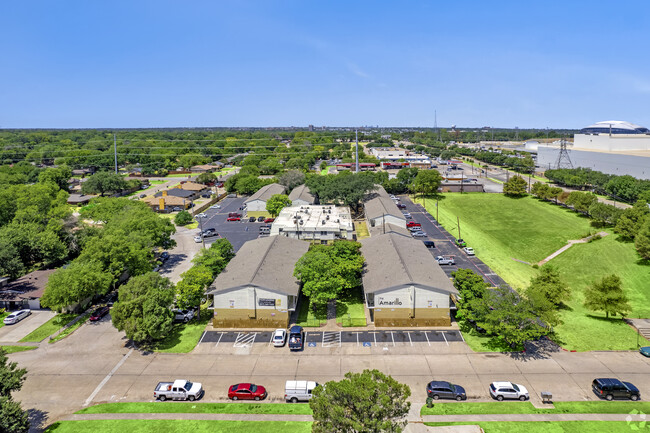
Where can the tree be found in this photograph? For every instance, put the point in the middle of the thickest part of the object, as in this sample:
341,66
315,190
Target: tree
58,176
362,402
426,182
515,187
604,213
550,284
631,220
216,257
293,178
581,201
12,418
190,290
642,240
205,178
103,182
183,218
276,203
540,190
75,283
607,295
143,308
470,286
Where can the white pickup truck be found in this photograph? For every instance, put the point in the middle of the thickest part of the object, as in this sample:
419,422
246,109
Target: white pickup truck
445,260
178,390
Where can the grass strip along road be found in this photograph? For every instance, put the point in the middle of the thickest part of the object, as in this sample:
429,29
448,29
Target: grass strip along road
525,407
178,426
545,426
48,328
179,407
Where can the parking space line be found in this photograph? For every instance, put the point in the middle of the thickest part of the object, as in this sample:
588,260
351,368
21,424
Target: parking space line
425,334
271,340
374,335
409,335
461,336
357,339
204,332
443,336
220,335
392,338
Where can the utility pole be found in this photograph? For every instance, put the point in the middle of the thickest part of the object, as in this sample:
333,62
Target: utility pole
201,228
458,223
356,135
437,220
115,151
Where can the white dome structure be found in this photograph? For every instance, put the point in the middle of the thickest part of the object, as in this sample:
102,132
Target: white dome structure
614,127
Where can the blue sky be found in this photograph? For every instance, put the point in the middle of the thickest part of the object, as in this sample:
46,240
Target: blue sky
85,64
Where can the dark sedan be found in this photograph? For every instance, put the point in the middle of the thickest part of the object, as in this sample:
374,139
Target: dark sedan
99,313
441,389
246,391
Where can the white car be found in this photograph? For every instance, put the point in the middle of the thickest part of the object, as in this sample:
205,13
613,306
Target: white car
279,337
469,251
419,234
501,390
201,215
198,239
407,215
16,317
215,206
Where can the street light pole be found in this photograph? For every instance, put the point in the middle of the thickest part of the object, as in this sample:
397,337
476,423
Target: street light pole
201,228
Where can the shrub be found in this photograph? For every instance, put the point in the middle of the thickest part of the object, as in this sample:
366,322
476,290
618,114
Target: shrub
183,218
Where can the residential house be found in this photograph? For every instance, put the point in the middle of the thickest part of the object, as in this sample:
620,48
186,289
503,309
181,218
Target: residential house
301,196
25,292
256,204
380,209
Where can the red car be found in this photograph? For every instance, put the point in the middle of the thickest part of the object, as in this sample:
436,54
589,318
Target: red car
99,313
413,224
269,220
234,214
246,391
233,219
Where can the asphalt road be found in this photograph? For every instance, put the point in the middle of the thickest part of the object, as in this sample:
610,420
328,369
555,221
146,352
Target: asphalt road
237,232
444,245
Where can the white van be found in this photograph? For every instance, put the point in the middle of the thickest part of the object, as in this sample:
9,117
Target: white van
298,390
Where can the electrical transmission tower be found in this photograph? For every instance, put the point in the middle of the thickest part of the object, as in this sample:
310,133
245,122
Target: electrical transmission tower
563,160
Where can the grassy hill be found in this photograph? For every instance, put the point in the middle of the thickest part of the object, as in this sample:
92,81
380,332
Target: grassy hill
502,229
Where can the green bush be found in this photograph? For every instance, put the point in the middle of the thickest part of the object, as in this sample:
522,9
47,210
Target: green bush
183,218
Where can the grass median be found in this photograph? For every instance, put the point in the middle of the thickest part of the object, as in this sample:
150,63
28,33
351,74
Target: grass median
181,407
14,349
526,407
350,309
70,329
178,426
544,426
48,328
184,337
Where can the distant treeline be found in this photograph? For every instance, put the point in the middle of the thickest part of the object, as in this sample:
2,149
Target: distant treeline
626,188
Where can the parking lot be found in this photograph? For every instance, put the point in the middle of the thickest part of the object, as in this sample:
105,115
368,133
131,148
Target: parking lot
444,245
224,341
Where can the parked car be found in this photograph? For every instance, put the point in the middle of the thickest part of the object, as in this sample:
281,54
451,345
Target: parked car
296,338
99,313
215,206
246,391
429,244
164,256
202,215
252,219
401,206
269,220
177,209
407,215
234,214
392,197
445,260
260,219
198,239
413,224
233,219
111,298
16,317
610,389
143,195
645,351
419,234
209,233
469,251
178,390
440,389
461,243
183,315
502,390
232,196
298,390
279,337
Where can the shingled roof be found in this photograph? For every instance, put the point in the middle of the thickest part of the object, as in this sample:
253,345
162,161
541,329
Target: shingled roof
266,192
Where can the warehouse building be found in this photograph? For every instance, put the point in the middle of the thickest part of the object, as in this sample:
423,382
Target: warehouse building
256,204
320,224
257,289
403,284
301,196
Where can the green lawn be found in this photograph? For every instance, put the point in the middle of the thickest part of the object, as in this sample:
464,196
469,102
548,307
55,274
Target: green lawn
324,171
48,328
14,349
545,426
2,316
72,328
184,336
519,407
178,426
181,407
181,175
362,230
350,310
500,229
480,342
307,317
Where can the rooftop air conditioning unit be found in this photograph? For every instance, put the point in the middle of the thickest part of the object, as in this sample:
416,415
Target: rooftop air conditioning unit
323,222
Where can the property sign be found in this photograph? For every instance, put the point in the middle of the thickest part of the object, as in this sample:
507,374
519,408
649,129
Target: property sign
266,302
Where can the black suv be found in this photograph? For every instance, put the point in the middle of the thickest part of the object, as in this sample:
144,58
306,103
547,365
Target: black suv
614,388
440,389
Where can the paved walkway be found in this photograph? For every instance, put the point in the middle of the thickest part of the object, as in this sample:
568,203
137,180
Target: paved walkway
569,245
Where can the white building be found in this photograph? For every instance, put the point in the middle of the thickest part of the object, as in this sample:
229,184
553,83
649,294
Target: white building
395,157
323,224
381,211
256,204
301,196
612,147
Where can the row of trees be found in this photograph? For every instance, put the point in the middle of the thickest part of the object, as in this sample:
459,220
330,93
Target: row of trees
13,419
625,188
143,310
